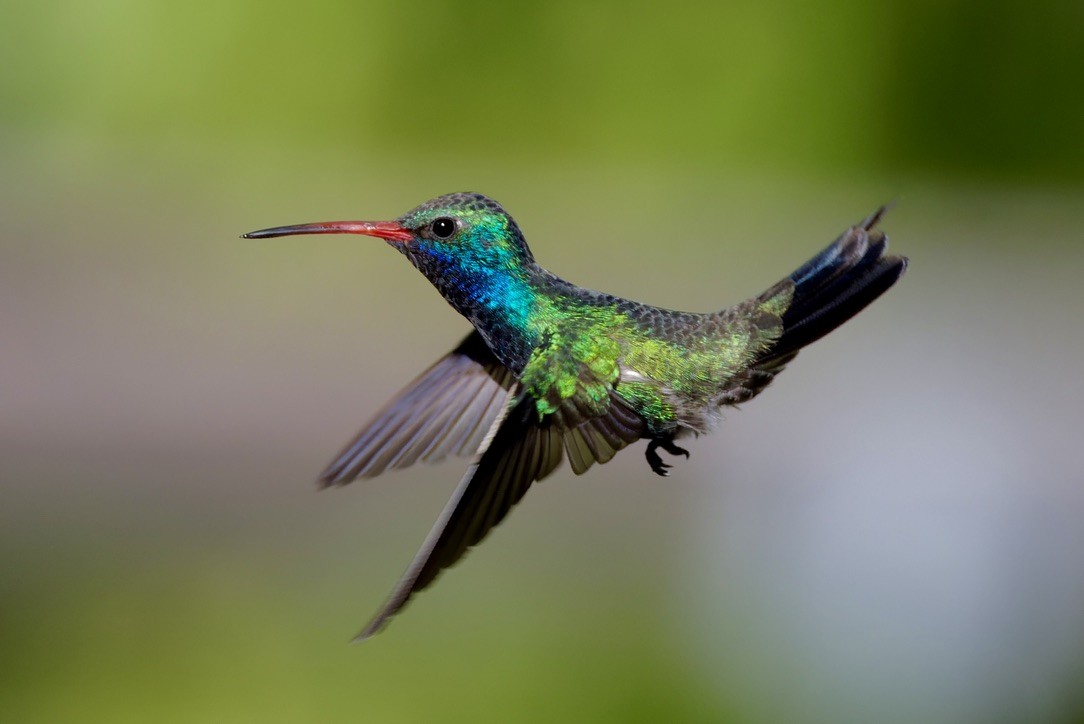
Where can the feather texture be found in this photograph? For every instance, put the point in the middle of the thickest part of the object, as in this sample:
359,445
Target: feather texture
445,411
519,449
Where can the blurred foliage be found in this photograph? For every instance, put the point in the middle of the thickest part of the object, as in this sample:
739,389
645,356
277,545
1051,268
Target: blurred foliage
929,86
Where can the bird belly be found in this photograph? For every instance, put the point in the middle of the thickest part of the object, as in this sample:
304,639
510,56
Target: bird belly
667,411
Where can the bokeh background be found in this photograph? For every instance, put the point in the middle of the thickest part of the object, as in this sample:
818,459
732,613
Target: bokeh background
891,533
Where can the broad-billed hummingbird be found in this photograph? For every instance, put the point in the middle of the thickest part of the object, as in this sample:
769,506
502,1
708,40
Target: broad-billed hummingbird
553,370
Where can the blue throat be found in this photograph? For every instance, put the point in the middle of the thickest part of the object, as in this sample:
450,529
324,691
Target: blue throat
494,292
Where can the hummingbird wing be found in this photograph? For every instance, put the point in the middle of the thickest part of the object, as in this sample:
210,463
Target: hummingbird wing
520,448
446,410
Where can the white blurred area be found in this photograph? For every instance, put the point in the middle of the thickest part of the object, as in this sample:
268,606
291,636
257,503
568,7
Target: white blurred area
894,531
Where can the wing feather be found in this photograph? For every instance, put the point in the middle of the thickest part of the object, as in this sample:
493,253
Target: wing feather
446,410
519,449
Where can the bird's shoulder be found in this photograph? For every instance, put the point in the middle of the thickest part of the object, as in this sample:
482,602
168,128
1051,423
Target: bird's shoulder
573,367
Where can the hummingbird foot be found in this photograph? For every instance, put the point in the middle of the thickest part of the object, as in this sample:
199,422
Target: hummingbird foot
655,460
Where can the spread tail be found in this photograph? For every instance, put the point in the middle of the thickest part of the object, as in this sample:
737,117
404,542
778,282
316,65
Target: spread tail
835,285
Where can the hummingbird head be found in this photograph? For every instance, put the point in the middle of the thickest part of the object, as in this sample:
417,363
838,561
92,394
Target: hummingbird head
466,244
455,233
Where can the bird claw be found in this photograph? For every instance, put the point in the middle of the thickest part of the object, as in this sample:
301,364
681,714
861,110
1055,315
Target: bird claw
656,462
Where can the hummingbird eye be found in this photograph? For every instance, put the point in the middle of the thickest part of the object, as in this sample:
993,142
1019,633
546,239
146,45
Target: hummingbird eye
443,227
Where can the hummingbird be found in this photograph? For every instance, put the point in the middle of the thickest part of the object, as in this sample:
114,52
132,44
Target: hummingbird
553,370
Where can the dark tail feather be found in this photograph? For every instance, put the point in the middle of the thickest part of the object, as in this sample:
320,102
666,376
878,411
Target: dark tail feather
837,284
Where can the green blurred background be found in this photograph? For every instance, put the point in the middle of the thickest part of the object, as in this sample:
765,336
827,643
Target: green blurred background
891,533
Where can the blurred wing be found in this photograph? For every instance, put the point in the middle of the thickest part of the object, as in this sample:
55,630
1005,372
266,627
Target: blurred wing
518,450
446,410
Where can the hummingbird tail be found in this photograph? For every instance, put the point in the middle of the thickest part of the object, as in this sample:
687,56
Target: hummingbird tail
835,285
